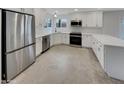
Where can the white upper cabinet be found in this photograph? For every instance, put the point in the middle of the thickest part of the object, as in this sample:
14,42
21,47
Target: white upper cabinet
84,20
92,19
99,19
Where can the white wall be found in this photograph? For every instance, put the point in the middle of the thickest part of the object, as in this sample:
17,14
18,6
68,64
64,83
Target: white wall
40,16
114,23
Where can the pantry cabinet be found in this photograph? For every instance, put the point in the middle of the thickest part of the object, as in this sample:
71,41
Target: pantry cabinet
38,46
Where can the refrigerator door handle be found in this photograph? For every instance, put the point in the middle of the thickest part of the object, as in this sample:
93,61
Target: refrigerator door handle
29,30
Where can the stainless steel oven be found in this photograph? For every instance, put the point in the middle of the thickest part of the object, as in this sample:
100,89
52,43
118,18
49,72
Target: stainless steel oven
76,39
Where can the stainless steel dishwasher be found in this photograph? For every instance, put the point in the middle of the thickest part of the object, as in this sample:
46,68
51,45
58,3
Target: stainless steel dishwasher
45,43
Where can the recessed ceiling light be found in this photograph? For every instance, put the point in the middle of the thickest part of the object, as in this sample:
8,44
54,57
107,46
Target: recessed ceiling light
75,9
55,15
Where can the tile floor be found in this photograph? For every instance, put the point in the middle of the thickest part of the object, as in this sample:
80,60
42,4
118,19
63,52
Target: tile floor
65,65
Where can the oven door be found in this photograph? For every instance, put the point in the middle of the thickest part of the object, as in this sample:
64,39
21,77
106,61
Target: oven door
75,40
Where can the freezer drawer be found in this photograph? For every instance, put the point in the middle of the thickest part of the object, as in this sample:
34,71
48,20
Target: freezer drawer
29,29
19,60
29,56
14,63
14,31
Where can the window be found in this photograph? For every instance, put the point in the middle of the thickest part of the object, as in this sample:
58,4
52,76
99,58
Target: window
61,23
58,23
48,23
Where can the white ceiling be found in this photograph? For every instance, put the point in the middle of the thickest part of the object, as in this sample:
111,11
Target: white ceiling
60,11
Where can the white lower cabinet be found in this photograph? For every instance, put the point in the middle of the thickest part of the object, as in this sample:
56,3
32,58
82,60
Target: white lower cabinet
51,40
100,54
59,38
56,38
86,40
65,38
38,46
98,49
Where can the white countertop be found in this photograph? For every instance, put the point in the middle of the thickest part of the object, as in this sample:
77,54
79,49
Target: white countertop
49,33
104,39
109,40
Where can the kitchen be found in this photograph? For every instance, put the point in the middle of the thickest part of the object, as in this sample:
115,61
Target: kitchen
65,35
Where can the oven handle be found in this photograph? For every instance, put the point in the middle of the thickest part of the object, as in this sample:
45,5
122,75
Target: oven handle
75,36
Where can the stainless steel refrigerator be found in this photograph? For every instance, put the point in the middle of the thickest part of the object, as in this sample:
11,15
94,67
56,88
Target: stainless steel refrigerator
18,43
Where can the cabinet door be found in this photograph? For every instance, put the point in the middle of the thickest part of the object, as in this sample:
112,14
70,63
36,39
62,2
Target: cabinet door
51,40
57,38
86,41
67,39
84,20
63,38
101,55
91,19
38,46
99,19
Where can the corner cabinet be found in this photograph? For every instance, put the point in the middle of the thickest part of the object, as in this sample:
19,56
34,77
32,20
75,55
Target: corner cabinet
55,39
59,38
